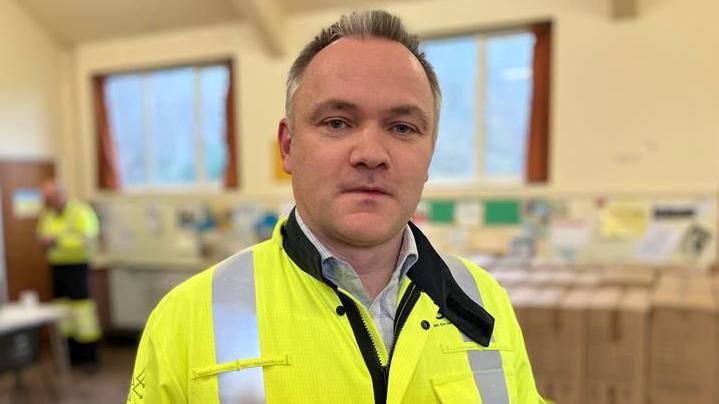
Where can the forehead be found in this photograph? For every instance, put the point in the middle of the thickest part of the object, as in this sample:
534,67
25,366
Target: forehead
380,72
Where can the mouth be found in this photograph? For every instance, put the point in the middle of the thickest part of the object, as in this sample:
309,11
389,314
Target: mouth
367,191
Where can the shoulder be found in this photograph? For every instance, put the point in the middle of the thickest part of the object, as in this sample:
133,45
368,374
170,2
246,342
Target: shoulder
485,281
80,208
78,204
187,299
193,297
494,296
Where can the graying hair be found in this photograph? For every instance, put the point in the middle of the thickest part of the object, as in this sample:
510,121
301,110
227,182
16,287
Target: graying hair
365,24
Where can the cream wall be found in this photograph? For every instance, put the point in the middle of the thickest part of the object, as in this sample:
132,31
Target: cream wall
30,95
633,101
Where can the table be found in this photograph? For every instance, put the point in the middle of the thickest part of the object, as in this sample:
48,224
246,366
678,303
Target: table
15,317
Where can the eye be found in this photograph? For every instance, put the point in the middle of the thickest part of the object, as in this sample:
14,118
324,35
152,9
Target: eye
403,129
336,124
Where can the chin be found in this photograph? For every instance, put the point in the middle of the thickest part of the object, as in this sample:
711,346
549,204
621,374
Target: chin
370,232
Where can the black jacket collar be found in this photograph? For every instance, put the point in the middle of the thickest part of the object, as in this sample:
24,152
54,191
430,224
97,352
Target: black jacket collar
430,273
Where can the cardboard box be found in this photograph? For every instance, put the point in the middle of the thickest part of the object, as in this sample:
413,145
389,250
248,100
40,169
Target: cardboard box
683,353
554,326
625,275
510,278
617,346
570,383
587,280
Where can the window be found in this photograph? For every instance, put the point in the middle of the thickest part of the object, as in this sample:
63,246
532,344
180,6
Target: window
168,128
487,88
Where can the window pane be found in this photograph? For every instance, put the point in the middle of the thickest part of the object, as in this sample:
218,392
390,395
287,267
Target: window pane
508,97
123,95
171,95
214,81
455,62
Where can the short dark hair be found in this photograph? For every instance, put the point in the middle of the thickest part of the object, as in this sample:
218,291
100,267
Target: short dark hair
365,24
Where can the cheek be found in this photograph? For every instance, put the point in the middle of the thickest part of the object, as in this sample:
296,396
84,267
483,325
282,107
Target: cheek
317,166
416,167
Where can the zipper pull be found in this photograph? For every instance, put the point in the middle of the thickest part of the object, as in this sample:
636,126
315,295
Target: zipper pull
385,373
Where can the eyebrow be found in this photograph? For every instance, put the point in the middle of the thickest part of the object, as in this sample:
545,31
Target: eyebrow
331,105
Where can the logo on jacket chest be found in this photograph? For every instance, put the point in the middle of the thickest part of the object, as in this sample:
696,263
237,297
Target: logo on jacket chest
441,320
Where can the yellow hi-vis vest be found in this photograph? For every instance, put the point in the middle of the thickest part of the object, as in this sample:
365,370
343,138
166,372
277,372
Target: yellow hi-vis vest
265,326
74,229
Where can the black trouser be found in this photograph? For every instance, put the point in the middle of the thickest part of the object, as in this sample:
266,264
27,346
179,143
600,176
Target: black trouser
72,282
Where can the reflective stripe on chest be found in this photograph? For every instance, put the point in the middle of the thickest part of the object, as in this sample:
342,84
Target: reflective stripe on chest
486,364
236,330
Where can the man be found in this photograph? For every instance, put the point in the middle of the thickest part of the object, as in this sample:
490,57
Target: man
348,301
67,230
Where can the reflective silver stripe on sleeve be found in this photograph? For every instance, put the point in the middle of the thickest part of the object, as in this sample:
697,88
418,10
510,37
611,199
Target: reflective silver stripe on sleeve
486,364
234,317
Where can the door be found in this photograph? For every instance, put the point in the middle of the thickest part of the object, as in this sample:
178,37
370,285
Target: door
24,260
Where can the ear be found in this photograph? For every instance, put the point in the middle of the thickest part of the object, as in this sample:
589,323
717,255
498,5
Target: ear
284,139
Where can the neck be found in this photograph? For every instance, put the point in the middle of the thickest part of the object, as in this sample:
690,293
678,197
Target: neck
373,264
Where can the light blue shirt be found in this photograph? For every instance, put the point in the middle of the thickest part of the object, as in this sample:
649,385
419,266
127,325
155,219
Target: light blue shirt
384,306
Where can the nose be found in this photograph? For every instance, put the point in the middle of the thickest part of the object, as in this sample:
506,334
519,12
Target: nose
370,150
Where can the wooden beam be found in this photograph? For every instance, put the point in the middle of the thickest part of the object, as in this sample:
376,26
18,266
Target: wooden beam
269,19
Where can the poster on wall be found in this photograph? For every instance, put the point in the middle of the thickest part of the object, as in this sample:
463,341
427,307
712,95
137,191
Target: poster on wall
26,203
659,243
624,220
468,213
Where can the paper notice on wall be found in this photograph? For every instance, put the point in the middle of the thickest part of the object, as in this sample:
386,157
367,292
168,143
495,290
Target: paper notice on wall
706,209
624,220
153,220
568,233
26,203
120,239
695,240
468,213
659,243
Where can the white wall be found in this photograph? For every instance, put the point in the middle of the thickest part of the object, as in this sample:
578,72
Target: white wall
30,97
633,101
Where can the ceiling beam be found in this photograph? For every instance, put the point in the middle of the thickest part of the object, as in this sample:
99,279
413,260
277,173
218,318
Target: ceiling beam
269,19
623,9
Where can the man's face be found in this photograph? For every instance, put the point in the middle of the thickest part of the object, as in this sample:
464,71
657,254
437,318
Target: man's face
361,142
53,195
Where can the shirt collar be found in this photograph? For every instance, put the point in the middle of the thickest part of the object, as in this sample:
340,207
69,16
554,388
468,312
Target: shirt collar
341,273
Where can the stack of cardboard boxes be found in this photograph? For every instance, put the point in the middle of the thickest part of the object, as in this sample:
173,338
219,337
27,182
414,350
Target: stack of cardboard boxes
617,332
683,367
619,335
548,316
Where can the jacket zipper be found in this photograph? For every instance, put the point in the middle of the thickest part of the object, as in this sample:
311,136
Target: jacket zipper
378,373
406,304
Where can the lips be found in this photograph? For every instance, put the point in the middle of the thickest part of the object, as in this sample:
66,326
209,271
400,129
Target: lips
367,189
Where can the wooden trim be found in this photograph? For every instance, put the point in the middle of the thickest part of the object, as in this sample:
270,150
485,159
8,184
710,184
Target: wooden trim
537,168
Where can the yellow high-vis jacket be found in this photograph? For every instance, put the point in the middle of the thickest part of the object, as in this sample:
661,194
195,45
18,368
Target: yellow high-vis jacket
74,229
265,326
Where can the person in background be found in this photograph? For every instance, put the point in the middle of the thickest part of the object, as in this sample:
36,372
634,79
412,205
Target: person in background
67,230
347,302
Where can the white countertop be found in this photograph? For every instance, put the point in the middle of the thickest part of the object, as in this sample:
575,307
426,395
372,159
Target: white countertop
183,264
14,316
